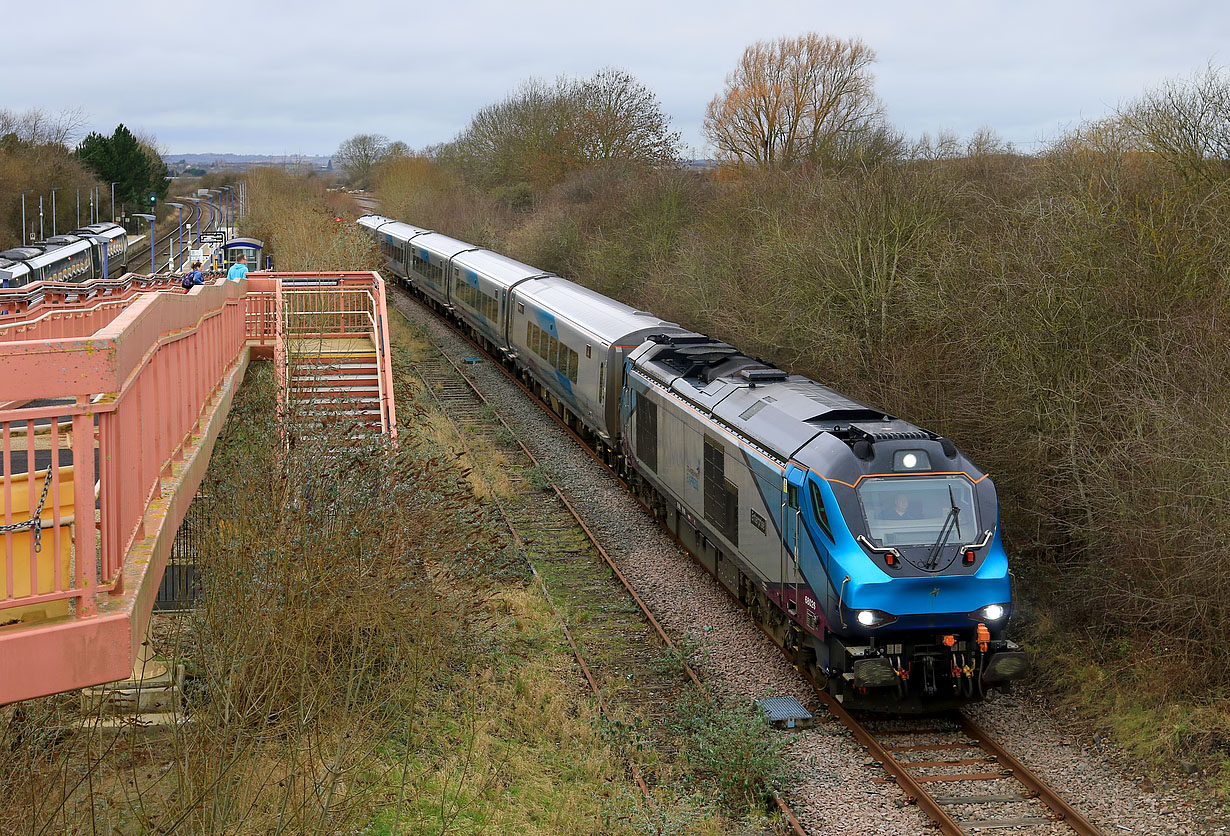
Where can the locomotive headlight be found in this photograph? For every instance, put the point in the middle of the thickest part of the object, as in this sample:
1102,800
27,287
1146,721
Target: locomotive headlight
906,461
874,618
991,612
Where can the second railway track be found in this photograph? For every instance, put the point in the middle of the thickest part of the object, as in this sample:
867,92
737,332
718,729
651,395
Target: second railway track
617,640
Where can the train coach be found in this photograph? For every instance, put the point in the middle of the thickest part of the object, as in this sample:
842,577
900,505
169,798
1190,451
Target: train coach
79,256
867,546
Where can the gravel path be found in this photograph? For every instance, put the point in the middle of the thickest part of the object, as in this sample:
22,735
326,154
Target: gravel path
832,794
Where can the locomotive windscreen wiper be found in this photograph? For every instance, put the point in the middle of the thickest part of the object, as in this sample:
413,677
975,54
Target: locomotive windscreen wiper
950,523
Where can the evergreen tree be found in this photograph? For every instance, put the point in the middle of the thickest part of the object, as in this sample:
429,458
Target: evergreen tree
122,159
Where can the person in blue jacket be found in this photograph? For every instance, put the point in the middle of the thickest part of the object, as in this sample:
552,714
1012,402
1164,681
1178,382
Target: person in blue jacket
194,277
238,271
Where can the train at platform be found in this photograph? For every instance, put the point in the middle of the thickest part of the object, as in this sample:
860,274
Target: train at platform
87,253
868,547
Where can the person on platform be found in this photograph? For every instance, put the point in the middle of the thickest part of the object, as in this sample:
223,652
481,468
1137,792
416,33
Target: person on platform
238,271
194,277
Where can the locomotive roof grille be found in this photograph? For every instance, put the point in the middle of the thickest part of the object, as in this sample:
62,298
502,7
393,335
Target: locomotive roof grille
679,339
862,433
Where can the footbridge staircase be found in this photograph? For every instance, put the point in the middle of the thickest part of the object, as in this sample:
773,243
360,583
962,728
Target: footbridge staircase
111,397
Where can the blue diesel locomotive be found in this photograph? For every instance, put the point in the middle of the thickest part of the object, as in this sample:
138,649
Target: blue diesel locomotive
868,547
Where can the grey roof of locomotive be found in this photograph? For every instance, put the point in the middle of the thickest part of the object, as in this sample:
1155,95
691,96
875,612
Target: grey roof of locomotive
779,413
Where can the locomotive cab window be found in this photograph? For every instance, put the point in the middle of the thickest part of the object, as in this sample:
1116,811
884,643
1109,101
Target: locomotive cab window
914,510
817,509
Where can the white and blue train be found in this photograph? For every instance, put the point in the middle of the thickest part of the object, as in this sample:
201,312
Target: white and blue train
91,252
868,547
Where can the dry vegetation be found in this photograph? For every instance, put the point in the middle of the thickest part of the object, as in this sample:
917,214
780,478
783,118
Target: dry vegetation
1062,316
298,219
36,155
367,657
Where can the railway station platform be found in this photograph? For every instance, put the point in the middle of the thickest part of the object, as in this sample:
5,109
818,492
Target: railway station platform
111,399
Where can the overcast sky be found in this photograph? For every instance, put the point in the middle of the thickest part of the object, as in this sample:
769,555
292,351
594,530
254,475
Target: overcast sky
281,78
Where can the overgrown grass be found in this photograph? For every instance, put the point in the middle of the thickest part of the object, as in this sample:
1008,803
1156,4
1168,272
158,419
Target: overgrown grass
733,747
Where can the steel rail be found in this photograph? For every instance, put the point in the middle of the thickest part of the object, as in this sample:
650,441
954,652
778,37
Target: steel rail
520,543
782,806
1061,808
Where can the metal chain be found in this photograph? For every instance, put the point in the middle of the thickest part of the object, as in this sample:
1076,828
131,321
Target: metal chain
35,524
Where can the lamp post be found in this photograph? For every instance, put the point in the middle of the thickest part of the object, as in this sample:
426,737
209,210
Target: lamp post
78,207
53,209
179,254
40,218
150,218
113,185
24,233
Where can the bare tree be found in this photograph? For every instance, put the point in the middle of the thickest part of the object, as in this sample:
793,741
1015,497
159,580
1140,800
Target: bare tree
359,154
615,117
542,131
794,99
1187,123
41,128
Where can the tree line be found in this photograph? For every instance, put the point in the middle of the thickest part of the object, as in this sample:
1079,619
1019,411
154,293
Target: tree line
39,153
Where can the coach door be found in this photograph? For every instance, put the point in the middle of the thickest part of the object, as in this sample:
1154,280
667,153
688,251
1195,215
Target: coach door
792,536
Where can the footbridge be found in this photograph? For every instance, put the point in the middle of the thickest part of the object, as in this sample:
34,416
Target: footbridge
111,397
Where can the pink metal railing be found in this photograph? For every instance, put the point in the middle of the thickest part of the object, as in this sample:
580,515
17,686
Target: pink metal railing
109,420
334,306
156,366
28,301
61,322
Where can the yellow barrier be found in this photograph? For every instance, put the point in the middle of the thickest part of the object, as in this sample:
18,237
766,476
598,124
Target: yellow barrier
23,543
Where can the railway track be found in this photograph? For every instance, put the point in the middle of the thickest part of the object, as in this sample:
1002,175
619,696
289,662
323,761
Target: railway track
167,240
595,604
959,776
564,555
955,772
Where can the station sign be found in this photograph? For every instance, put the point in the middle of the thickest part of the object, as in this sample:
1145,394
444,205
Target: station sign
213,238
